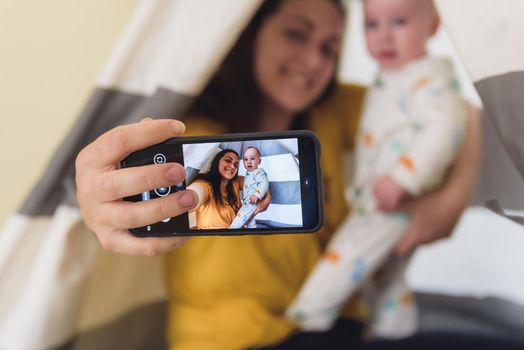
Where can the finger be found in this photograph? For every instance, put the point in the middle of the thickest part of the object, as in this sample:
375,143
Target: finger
114,145
123,242
125,182
126,215
407,243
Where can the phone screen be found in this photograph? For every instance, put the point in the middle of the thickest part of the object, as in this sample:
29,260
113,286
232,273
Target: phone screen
245,171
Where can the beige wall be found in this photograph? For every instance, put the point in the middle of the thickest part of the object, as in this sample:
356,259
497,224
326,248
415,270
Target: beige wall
50,54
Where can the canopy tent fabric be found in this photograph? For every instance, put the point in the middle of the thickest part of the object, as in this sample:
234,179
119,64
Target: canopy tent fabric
61,285
487,36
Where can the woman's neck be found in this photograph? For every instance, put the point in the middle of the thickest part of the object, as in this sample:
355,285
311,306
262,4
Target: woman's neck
273,118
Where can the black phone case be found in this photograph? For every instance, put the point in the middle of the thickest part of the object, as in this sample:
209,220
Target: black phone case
135,159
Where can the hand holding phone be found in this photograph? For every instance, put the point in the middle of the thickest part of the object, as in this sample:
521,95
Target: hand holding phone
228,172
101,187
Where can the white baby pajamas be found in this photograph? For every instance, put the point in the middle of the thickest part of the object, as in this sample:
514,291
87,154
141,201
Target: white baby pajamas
411,130
256,184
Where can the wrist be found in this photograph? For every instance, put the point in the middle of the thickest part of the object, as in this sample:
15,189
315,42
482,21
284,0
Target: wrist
455,197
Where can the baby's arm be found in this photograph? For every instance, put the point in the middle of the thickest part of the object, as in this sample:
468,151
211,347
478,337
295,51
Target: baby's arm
437,113
262,186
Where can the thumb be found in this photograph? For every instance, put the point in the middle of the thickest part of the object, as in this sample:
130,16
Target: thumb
405,205
407,243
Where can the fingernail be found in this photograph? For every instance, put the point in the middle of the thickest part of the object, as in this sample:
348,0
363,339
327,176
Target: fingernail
187,199
173,174
178,127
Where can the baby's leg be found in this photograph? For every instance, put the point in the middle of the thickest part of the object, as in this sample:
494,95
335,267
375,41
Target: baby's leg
245,213
357,249
394,312
251,223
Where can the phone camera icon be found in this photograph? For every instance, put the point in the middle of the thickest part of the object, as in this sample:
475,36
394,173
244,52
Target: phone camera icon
159,158
163,191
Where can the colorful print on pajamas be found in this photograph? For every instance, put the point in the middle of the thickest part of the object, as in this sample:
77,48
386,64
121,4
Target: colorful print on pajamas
256,183
409,131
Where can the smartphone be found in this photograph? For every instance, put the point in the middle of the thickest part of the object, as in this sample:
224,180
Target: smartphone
283,166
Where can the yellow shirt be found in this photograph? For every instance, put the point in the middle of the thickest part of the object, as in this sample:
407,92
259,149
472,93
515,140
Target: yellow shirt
232,292
209,215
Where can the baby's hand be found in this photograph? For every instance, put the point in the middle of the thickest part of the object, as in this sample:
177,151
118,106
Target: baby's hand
253,199
388,193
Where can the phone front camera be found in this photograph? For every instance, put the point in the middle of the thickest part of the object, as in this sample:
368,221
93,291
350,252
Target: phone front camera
307,183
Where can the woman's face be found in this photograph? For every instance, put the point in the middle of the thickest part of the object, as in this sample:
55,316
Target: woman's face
228,165
296,52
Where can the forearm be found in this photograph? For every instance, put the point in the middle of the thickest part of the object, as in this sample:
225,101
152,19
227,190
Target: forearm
200,192
263,203
463,173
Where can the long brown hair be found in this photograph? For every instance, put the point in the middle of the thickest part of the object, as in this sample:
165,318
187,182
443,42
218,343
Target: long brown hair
232,97
213,177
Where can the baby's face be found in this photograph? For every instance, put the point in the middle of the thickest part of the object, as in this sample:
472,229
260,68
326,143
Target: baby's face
397,30
251,159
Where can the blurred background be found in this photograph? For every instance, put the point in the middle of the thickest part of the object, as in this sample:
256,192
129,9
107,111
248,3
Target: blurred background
51,53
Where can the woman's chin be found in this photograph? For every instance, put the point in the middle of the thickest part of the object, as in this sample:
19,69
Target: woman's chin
295,105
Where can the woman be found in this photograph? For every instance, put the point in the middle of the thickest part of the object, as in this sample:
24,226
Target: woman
218,191
231,292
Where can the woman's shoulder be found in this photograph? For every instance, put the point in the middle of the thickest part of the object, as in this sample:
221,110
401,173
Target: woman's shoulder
198,124
349,91
340,112
345,100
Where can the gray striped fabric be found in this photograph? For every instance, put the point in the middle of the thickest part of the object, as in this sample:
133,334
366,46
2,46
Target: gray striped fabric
105,109
503,99
489,40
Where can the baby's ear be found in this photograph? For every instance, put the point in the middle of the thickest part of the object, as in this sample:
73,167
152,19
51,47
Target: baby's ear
435,25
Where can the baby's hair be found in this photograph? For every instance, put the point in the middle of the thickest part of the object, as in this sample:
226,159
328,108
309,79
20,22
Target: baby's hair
253,147
430,5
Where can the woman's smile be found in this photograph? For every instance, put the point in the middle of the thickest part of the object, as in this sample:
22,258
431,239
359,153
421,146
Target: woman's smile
296,53
298,80
228,165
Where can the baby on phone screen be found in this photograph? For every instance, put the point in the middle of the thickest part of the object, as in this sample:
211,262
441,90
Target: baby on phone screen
256,185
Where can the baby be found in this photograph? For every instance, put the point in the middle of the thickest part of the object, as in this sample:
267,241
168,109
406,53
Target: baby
409,135
255,188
